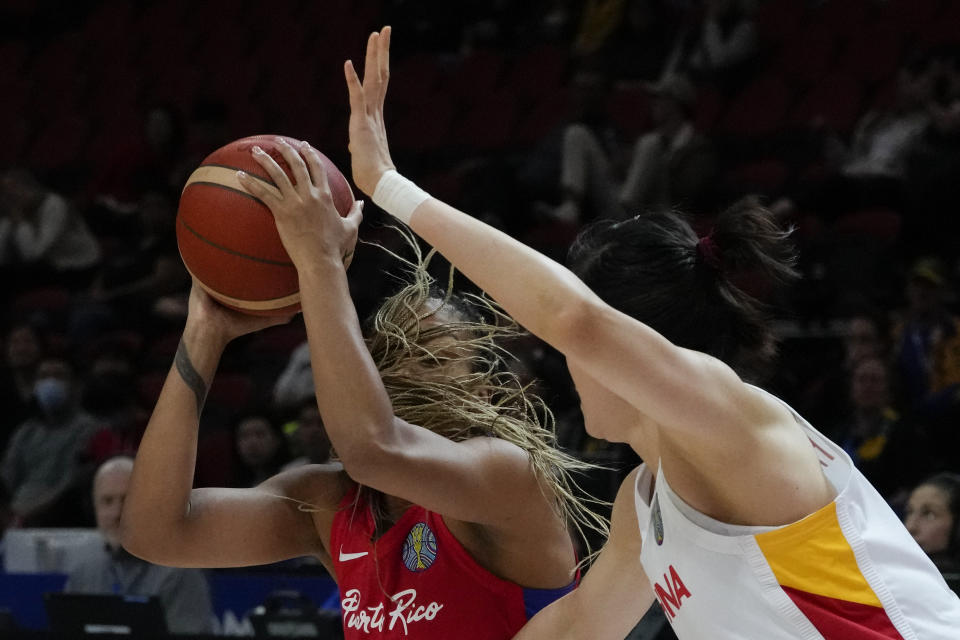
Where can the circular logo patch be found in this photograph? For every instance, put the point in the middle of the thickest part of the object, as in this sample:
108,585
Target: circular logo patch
420,548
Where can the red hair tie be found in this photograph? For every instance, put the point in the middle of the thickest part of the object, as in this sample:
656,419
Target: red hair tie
709,252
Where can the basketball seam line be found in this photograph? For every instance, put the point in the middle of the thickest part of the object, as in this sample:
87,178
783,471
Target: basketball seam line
265,179
277,263
239,192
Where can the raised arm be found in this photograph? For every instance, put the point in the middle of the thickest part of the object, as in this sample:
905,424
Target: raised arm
671,385
483,480
166,521
614,594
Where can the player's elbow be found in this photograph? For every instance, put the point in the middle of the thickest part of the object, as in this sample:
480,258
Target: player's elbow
145,538
364,458
134,537
577,327
370,459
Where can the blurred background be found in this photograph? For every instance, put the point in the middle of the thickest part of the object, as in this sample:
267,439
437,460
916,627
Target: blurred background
842,116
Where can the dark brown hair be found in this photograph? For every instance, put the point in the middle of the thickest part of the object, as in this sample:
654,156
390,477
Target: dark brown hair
700,293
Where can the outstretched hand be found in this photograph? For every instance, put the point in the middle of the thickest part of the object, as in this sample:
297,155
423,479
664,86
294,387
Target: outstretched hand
369,151
309,225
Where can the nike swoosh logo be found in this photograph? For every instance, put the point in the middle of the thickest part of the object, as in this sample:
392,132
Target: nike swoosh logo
344,557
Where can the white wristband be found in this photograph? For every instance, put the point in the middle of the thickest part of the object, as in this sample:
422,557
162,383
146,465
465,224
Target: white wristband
398,196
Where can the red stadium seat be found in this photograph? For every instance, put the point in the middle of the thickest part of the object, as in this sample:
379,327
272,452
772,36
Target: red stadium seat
13,55
446,185
475,77
17,133
160,351
60,143
942,30
54,300
869,60
423,127
216,458
882,225
913,17
759,109
417,77
843,16
276,342
232,391
550,111
489,123
535,73
777,21
629,109
763,176
835,102
128,341
149,386
807,55
710,103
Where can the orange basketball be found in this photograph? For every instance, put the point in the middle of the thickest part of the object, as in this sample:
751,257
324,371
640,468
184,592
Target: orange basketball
227,238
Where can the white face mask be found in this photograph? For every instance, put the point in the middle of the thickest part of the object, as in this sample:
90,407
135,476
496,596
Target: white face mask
51,394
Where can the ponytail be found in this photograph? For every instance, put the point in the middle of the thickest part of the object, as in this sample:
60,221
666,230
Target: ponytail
706,294
749,240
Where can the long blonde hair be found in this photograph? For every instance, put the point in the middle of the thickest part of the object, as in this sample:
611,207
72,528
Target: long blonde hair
490,400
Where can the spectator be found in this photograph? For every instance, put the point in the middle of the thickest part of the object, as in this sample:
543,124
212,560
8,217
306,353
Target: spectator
142,276
309,440
599,21
43,239
261,449
866,336
933,519
43,466
885,136
927,337
673,164
640,49
944,102
153,159
826,395
294,385
871,170
725,47
22,352
935,163
110,396
670,165
889,451
103,566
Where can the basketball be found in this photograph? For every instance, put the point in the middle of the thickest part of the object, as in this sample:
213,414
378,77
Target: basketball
227,237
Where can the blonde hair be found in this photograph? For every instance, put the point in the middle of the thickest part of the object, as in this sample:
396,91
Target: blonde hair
490,400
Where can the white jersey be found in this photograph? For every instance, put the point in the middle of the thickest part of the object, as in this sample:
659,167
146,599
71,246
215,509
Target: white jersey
848,571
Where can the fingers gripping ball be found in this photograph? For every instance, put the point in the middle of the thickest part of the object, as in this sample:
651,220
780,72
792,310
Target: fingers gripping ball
227,238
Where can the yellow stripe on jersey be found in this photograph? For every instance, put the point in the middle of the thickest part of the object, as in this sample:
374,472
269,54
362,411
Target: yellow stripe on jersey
814,556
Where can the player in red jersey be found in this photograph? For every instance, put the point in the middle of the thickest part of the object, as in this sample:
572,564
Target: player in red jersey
448,514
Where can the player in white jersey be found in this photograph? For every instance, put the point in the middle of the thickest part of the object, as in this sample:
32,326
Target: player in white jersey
751,524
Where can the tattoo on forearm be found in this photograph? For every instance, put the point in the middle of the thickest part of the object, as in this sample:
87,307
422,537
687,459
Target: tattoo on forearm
190,376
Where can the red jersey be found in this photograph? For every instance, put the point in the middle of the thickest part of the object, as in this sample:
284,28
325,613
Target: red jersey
417,581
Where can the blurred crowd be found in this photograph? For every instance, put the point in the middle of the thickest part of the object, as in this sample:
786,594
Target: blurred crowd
843,116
